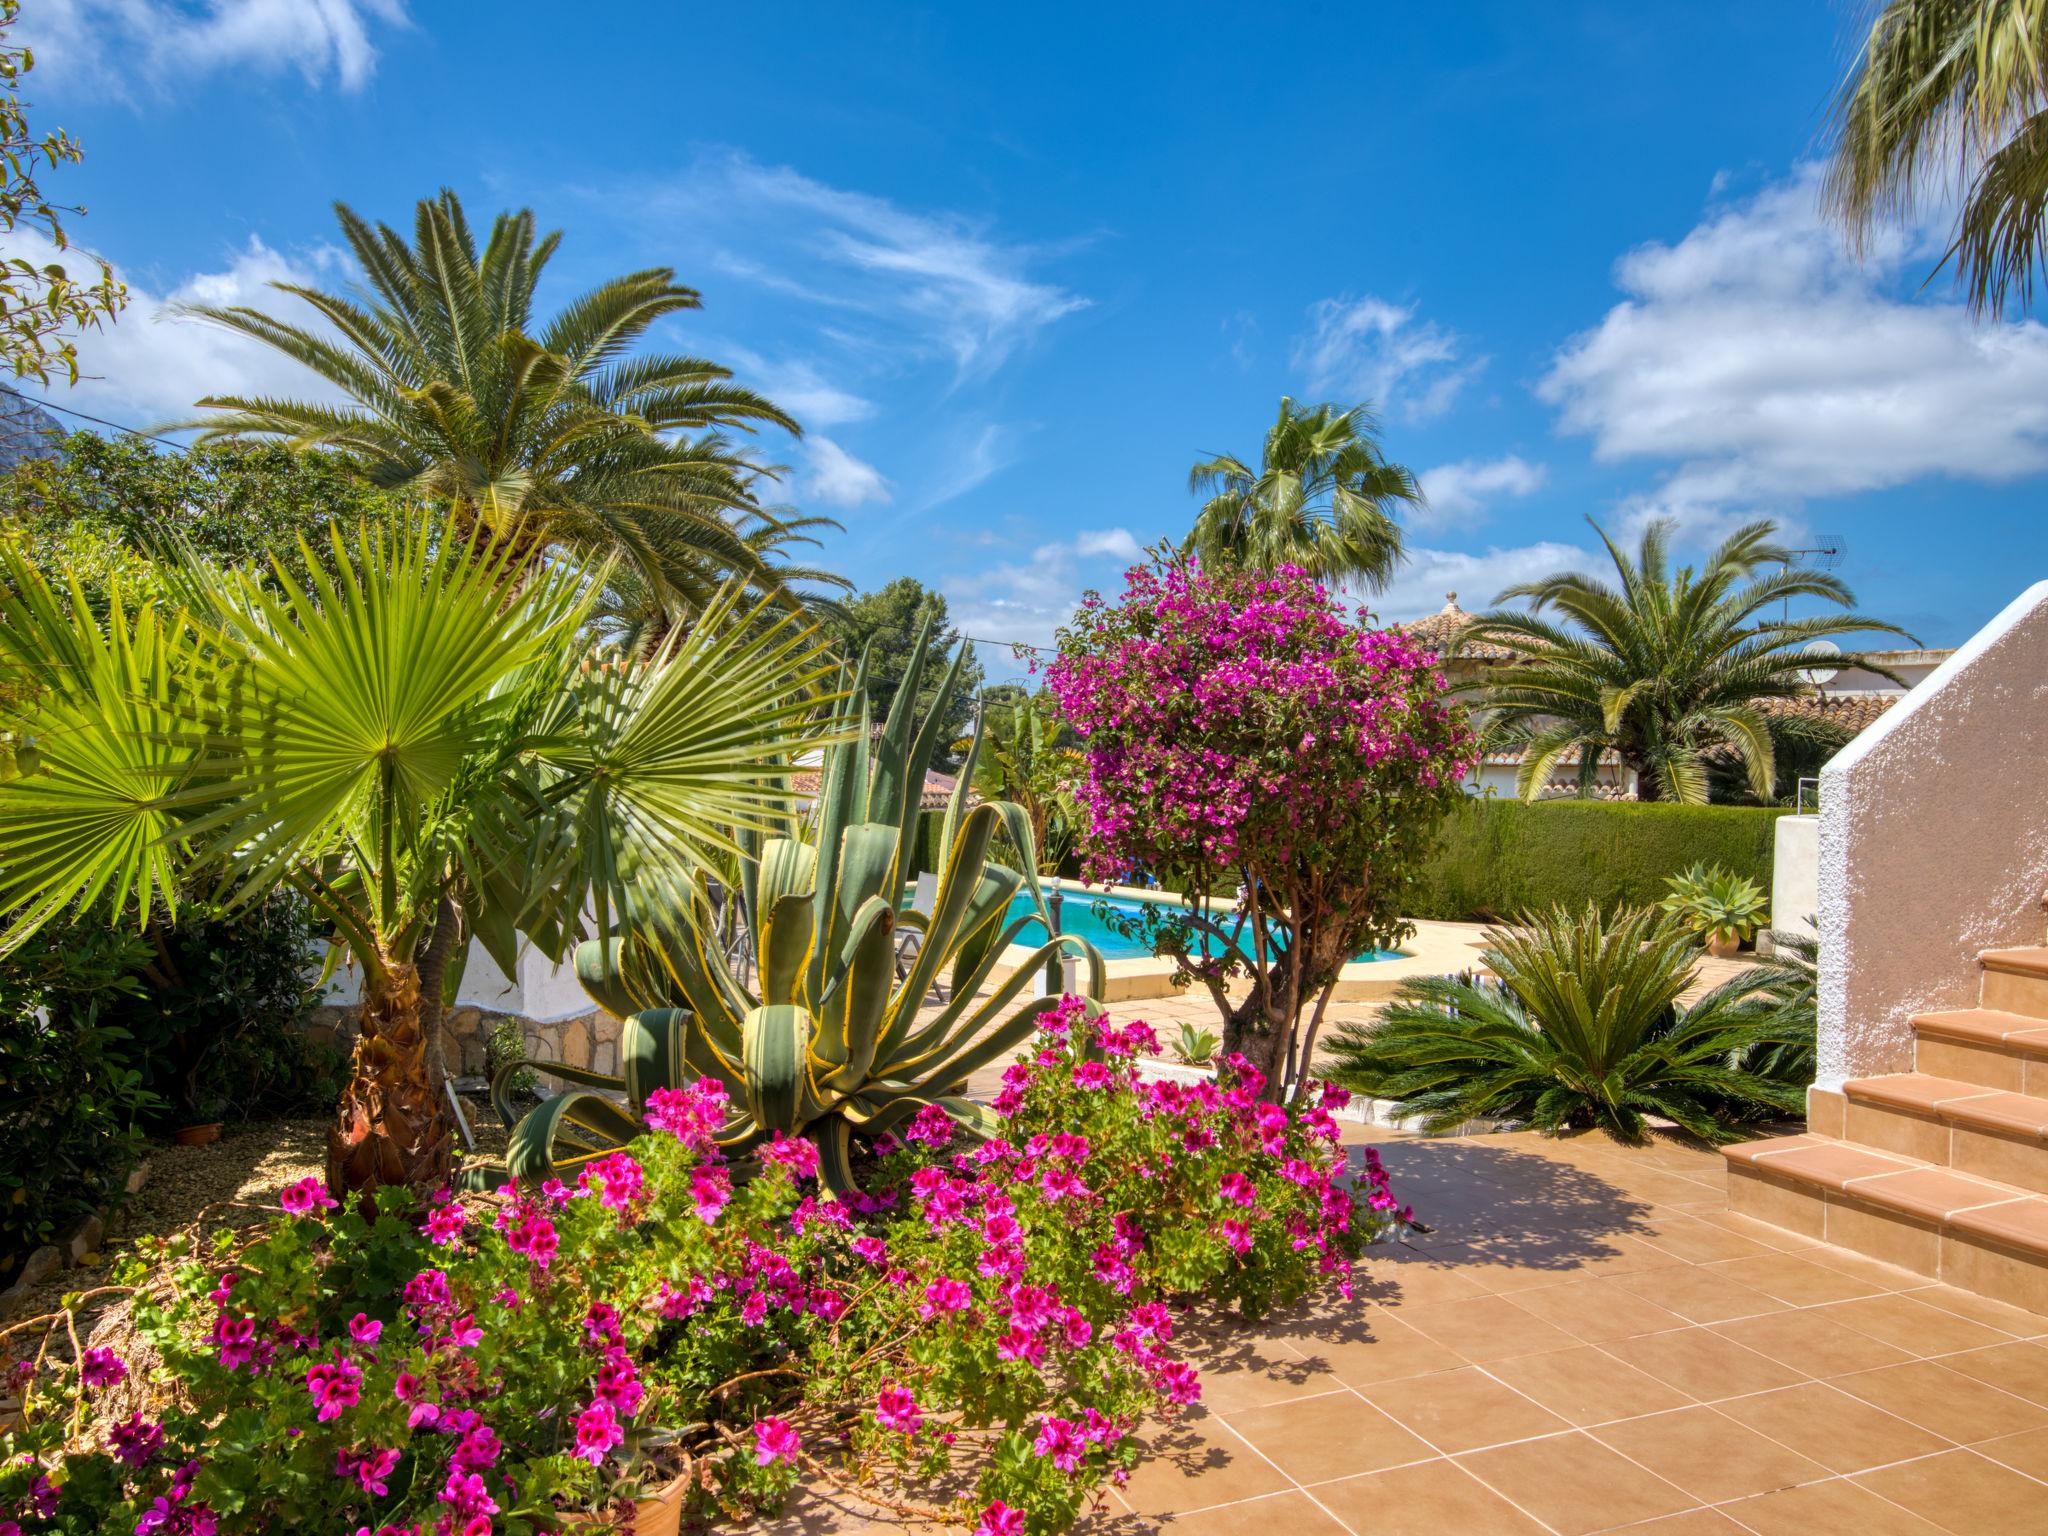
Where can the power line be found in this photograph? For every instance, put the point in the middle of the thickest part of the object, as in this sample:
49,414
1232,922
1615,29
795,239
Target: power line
98,421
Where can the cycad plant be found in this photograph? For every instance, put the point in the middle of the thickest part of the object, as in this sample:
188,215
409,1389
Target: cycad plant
816,1033
543,433
418,737
1661,666
1583,1029
1323,497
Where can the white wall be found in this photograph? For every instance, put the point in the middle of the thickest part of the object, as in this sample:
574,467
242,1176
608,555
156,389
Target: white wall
1795,874
541,991
1934,843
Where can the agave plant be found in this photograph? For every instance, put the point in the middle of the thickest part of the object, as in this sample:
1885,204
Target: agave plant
1720,906
815,1031
1582,1029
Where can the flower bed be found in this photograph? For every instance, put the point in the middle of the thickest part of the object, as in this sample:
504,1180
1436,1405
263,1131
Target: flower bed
996,1317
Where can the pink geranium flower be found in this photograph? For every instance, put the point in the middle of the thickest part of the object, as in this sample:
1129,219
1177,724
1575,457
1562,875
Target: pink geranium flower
773,1441
896,1409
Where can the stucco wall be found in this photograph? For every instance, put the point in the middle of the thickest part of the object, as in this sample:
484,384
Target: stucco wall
1934,843
1795,874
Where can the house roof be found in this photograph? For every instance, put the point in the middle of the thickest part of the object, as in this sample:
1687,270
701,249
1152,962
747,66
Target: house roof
1440,631
938,788
1853,712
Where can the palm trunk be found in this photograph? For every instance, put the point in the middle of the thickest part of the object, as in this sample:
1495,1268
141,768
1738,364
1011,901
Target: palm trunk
434,962
391,1129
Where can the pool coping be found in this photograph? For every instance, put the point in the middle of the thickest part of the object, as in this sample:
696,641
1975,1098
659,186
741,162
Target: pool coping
1435,949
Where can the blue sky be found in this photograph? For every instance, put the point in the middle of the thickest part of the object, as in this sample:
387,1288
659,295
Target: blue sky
1017,267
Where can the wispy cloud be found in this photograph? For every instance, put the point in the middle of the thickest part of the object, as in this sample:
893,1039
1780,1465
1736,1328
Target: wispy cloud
1028,596
1467,488
796,384
1370,350
836,477
112,44
1763,366
1430,577
925,283
984,453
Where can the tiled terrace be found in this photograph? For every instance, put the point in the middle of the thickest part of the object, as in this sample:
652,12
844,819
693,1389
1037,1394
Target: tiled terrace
1587,1341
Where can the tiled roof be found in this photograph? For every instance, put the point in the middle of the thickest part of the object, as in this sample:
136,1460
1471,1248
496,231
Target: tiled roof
1853,712
938,788
1440,631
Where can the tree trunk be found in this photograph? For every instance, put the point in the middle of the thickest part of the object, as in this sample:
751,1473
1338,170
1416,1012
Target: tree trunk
1251,1030
434,961
391,1129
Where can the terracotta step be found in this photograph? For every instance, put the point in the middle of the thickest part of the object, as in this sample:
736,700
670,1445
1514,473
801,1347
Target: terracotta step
1977,1233
1984,1045
2016,980
1946,1122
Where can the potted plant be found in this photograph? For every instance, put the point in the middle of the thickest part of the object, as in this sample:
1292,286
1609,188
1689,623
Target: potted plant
1196,1047
1721,907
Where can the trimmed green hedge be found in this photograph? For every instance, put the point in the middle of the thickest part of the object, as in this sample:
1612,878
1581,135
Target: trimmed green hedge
1498,857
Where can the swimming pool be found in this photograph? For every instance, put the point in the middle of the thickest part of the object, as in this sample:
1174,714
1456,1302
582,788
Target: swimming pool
1077,916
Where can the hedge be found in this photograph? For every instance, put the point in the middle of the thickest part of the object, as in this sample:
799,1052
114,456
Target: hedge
1498,857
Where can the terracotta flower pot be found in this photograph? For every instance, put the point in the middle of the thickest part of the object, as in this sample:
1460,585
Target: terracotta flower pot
660,1513
1724,949
198,1135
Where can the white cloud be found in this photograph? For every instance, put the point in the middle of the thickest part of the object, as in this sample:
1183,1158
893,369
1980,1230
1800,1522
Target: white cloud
921,283
1427,577
1369,350
797,385
1765,367
146,367
1470,486
1027,599
987,453
106,42
838,478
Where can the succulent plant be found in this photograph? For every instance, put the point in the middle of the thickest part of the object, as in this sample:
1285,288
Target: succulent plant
1717,904
807,1021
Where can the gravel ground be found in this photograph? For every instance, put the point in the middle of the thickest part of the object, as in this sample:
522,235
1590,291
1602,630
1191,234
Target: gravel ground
248,1166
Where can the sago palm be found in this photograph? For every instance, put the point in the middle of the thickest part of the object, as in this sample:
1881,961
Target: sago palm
1961,81
544,433
1661,666
417,733
1323,497
1582,1030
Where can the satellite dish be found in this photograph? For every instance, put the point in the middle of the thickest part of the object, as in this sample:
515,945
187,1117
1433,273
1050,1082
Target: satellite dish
1823,675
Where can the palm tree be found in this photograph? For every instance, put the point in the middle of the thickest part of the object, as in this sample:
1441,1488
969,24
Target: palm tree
543,435
1323,498
422,743
1582,1030
1962,80
1664,668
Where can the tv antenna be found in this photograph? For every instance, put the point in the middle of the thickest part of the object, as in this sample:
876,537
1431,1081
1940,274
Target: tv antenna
1823,554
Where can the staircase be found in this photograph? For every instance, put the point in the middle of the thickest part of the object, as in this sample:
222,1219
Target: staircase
1942,1170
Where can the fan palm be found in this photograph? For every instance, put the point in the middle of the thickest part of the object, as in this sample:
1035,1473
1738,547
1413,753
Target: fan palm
1956,79
541,434
1323,498
1582,1030
1664,667
420,738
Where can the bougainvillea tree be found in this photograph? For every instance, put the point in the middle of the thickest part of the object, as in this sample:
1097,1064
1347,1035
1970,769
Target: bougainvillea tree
1254,745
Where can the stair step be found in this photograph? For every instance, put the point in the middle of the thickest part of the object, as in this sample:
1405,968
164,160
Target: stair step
2016,980
1993,1111
1978,1233
1987,1046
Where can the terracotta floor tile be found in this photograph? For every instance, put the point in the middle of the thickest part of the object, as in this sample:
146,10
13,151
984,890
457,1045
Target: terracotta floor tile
1796,1281
1195,1463
1434,1498
2026,1453
1386,1350
1887,1277
1982,1309
1807,1340
1701,1295
1485,1328
1842,1433
1693,1241
1587,1386
1694,1522
1319,1438
1963,1492
1912,1325
1462,1410
1596,1310
1700,1362
1292,1512
1826,1509
1574,1484
1252,1372
2021,1369
1415,1281
1709,1455
1947,1402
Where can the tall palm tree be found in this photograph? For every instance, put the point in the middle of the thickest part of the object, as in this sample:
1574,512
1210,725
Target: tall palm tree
549,434
1323,498
1964,81
422,743
1662,667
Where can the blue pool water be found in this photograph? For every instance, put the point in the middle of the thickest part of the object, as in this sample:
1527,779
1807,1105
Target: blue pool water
1077,916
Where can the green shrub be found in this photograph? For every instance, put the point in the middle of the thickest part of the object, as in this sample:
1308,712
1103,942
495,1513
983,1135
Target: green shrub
1495,858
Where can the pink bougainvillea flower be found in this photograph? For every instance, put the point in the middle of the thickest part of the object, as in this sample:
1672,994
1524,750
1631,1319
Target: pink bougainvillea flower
773,1441
306,1196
